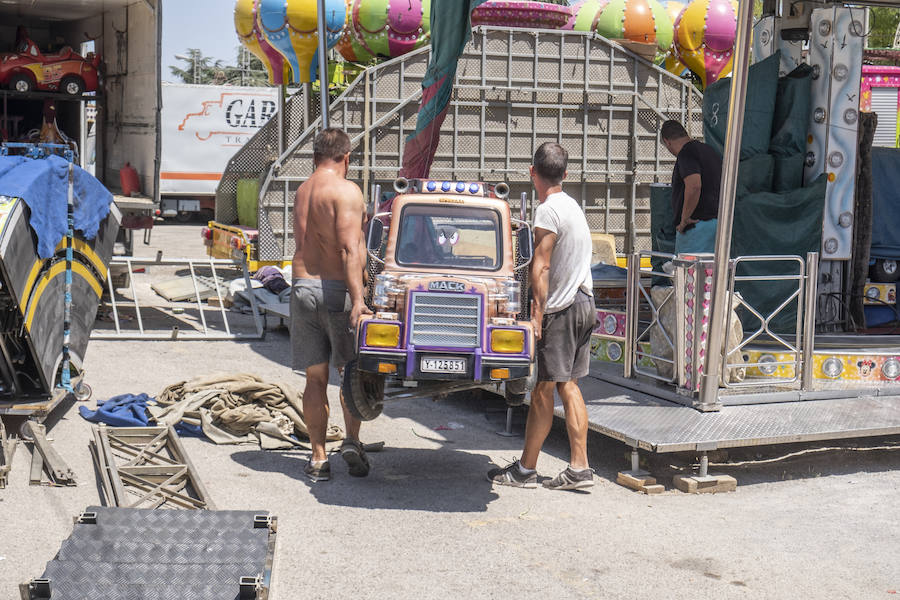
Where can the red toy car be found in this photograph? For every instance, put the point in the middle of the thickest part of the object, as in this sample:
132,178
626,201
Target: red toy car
29,69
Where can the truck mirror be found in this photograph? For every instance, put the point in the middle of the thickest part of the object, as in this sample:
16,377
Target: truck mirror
376,231
524,243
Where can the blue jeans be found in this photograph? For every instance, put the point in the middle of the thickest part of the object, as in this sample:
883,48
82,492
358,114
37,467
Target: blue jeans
698,239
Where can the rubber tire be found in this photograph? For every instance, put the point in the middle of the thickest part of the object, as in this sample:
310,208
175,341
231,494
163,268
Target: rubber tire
184,217
363,392
884,274
18,78
71,80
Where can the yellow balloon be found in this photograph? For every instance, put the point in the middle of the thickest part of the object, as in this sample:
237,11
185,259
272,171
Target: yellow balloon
302,16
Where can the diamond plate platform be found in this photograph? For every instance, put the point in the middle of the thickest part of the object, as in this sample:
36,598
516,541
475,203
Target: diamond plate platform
120,553
652,423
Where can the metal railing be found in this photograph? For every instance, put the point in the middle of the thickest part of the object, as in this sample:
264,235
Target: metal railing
636,333
777,342
204,331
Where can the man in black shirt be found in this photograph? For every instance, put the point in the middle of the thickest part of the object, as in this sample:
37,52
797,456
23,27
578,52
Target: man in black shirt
695,189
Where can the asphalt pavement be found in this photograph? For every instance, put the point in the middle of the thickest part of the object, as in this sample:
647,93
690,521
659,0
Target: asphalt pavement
426,523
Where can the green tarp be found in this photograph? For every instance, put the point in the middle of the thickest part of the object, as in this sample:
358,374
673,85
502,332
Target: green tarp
759,110
788,223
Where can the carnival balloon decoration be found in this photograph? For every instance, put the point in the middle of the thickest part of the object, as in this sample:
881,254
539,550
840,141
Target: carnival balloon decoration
673,9
522,13
248,30
643,22
704,38
387,28
302,20
271,16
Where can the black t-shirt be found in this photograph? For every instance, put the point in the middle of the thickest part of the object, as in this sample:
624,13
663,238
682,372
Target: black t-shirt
697,157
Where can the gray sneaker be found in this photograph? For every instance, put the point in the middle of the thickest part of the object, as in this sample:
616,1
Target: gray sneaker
353,452
318,471
510,475
570,479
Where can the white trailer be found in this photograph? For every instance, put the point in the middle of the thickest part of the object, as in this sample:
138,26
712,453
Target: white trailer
125,110
202,127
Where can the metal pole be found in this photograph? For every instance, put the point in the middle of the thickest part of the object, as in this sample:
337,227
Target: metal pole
281,122
709,384
523,206
809,320
323,65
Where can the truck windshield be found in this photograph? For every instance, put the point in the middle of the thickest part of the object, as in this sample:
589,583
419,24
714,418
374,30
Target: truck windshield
457,237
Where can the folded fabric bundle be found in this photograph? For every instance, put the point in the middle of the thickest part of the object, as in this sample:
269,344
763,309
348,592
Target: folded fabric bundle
272,279
130,410
238,408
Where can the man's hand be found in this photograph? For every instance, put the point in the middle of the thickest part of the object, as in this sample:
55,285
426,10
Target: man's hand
537,323
686,224
356,312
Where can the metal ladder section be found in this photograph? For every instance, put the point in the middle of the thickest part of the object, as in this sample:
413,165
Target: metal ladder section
204,332
514,90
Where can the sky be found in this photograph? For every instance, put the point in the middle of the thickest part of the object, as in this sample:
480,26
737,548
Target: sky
204,24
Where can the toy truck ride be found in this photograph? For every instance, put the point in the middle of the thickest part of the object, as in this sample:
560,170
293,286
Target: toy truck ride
445,267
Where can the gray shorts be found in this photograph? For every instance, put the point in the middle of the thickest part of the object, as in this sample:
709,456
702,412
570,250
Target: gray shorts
564,350
320,323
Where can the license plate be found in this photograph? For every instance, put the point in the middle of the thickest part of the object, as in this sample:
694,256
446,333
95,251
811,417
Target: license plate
443,365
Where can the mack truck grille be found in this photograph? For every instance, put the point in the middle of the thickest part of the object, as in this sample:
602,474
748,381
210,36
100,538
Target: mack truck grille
446,320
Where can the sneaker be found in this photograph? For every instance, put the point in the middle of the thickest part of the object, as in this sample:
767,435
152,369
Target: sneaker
355,456
571,479
320,471
512,476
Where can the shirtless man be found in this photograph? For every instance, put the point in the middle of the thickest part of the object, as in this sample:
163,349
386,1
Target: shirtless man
327,292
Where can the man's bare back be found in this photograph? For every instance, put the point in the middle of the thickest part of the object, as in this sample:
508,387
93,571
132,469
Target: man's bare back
328,212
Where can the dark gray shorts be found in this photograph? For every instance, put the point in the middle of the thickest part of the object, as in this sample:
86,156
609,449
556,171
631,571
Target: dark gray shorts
564,350
320,323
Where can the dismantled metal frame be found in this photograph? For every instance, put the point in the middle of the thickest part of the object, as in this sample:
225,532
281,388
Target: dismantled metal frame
146,467
7,449
203,333
45,458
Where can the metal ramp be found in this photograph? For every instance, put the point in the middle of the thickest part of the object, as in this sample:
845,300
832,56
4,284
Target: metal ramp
643,419
121,553
514,90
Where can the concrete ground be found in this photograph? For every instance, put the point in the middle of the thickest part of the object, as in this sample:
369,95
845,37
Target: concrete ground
427,524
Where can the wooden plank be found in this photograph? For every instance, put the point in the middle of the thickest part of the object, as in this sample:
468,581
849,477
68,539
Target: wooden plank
712,484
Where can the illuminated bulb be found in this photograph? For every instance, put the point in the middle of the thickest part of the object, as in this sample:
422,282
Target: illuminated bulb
832,367
614,352
610,324
891,368
767,369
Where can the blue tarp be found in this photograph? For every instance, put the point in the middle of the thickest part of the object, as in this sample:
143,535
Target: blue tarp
43,185
886,203
130,410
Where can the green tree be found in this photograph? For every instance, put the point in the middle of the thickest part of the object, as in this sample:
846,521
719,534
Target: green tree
883,27
199,69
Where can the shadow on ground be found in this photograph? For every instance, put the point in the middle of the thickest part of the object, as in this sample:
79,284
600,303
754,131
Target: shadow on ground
434,480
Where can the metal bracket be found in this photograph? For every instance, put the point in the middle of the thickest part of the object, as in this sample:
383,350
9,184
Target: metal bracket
250,588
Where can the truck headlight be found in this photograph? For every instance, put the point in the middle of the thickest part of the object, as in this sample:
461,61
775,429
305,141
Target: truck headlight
383,335
513,296
384,286
508,341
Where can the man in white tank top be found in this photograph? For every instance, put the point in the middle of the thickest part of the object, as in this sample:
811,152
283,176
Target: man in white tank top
563,317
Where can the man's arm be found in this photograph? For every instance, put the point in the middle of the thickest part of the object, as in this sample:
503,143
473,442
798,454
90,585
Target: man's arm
299,224
692,186
544,242
350,212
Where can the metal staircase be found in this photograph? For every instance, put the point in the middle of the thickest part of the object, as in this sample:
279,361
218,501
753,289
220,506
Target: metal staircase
514,90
